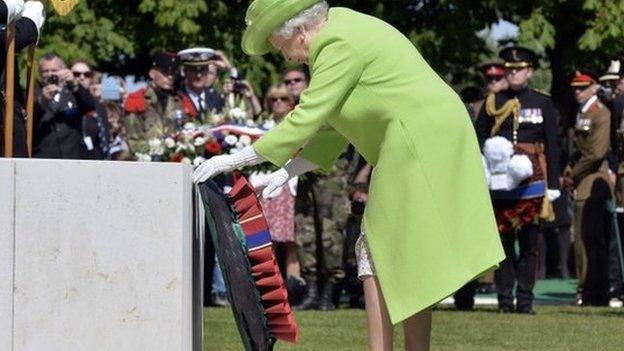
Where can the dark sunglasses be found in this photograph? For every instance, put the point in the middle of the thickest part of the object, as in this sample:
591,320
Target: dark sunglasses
280,98
199,69
494,79
294,80
86,74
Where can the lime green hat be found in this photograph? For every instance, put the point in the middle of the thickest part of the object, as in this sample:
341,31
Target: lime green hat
263,17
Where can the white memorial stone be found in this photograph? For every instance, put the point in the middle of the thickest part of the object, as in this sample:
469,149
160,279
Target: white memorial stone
102,256
6,253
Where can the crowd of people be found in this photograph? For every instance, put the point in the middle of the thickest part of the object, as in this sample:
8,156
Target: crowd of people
555,181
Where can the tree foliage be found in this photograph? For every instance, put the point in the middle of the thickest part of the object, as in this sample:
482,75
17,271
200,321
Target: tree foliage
117,36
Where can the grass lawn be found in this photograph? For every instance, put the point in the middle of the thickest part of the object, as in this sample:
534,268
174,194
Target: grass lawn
553,328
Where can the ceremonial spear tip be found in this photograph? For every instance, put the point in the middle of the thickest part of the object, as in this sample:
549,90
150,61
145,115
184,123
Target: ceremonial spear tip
63,7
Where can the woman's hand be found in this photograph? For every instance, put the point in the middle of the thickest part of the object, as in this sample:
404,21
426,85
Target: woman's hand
226,163
214,166
273,183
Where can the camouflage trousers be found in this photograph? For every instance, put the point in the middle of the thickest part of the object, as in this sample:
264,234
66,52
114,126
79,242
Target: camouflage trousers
322,208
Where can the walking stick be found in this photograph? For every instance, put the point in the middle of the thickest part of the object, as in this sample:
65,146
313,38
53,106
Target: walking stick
9,102
30,102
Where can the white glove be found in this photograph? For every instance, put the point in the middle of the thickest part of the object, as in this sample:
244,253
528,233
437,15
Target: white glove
34,11
14,8
226,163
553,195
279,178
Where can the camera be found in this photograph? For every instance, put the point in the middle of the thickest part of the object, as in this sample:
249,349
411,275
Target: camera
237,78
53,79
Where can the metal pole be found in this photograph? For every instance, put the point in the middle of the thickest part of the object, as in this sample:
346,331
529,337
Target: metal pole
30,102
9,108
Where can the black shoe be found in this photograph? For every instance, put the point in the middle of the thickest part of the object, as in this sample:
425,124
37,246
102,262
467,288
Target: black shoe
327,297
296,288
357,302
310,299
505,309
466,307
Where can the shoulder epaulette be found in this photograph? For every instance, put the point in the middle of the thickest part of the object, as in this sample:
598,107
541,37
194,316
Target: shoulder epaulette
136,102
541,92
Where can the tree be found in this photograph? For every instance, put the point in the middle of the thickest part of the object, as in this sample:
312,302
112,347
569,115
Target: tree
117,36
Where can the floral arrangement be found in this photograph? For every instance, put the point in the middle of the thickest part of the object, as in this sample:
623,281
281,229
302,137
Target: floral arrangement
193,144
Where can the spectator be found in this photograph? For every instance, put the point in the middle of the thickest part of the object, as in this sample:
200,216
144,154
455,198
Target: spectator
322,203
119,149
198,95
95,124
240,94
60,110
297,81
155,111
279,209
589,173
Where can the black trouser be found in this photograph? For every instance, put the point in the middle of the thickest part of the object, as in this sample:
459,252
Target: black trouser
520,269
616,279
594,236
464,297
554,249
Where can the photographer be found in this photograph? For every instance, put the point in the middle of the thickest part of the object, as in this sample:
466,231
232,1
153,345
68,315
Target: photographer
61,106
31,17
239,93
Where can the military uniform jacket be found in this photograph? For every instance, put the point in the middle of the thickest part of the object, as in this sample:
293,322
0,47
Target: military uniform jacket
146,118
537,123
590,168
429,221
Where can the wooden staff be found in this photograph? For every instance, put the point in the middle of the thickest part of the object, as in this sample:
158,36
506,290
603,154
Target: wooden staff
9,102
30,101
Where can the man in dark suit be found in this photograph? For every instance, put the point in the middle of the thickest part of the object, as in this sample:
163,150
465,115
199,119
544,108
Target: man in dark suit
61,106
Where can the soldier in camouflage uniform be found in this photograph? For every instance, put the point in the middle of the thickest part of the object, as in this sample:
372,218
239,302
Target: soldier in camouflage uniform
322,208
155,111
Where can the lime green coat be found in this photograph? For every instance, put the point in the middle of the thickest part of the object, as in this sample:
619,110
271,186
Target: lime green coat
429,221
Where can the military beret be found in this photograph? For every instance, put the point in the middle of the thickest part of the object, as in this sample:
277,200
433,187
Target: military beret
166,61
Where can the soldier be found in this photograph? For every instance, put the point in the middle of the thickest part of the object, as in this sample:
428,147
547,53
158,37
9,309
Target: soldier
528,119
322,208
155,111
589,173
199,97
611,93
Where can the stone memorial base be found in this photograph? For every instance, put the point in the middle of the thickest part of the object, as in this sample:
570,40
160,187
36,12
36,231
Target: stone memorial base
96,256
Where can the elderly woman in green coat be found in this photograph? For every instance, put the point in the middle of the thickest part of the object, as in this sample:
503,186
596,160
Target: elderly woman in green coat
429,226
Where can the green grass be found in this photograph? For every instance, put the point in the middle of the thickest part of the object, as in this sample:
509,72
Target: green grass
552,329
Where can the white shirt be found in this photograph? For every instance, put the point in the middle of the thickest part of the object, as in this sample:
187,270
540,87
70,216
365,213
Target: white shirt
196,98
